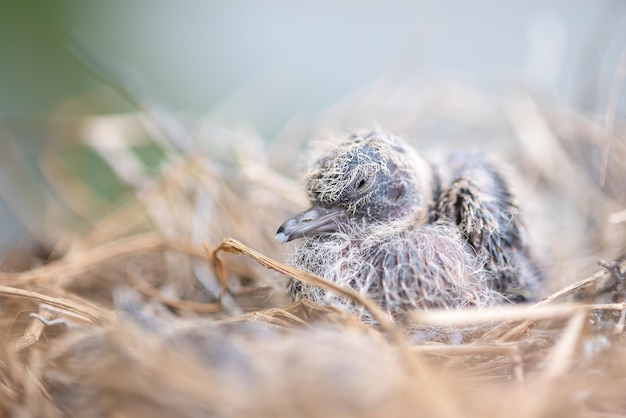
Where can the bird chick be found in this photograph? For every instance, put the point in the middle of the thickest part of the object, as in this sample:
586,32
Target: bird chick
409,233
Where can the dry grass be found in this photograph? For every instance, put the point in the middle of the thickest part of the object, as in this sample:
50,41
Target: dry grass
134,317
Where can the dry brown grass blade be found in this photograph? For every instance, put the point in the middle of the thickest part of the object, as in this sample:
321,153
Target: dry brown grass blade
153,293
230,245
497,314
557,364
76,263
560,359
81,308
467,349
617,217
508,314
516,330
33,331
619,326
507,330
276,312
277,322
560,294
305,307
571,289
218,268
511,353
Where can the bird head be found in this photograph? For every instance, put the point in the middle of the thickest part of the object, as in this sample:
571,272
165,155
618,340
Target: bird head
370,180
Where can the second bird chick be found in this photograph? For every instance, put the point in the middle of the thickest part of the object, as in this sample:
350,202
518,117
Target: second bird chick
409,233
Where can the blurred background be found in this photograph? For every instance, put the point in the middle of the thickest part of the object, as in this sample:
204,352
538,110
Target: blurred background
280,71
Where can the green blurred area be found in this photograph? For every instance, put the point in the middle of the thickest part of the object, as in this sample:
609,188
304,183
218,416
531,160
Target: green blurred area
255,61
37,73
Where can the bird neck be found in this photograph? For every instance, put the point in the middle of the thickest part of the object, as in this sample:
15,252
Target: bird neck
436,188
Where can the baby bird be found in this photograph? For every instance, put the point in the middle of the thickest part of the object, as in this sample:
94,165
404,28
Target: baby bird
409,233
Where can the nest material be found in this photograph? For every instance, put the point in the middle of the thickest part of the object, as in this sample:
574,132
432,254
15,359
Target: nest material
135,318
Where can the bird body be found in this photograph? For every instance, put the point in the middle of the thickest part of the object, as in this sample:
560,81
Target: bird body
409,233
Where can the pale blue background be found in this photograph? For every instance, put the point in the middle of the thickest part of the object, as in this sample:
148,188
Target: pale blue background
264,61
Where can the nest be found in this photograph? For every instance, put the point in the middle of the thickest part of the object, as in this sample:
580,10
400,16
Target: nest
139,304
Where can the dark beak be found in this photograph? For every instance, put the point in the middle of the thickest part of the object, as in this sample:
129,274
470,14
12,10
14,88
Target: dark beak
314,221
